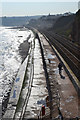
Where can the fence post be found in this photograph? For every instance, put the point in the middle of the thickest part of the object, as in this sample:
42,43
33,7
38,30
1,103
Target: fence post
43,110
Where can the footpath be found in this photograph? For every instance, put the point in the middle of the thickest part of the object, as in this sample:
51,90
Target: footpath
60,86
39,91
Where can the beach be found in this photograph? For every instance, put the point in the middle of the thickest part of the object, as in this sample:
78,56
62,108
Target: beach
14,48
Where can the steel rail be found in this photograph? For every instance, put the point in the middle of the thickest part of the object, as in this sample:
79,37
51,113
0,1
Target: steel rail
67,55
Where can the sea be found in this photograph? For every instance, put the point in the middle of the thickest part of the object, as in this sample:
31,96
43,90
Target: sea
10,59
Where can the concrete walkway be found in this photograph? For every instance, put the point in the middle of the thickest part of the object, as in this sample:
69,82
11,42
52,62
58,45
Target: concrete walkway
69,100
39,91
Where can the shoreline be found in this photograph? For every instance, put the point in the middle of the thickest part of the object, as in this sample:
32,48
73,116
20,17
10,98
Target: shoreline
23,52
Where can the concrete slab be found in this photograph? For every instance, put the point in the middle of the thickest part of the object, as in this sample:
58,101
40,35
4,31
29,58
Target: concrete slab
39,91
9,114
16,90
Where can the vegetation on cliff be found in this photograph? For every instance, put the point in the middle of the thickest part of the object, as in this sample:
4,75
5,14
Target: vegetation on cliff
64,24
76,28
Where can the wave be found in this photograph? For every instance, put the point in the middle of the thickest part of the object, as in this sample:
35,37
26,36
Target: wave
10,59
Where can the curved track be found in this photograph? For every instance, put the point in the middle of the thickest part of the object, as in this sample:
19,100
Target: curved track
68,51
74,49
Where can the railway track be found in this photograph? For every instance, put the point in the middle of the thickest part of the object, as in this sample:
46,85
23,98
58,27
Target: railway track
74,49
68,51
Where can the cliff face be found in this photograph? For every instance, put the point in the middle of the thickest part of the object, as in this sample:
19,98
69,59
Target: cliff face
63,25
76,28
44,22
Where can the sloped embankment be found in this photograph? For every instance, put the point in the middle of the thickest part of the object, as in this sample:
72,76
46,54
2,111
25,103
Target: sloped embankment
76,28
64,25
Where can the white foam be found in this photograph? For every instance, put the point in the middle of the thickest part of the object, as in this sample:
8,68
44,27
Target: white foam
10,60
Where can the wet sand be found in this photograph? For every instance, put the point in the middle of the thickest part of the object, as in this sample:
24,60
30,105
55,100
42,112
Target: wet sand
24,48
